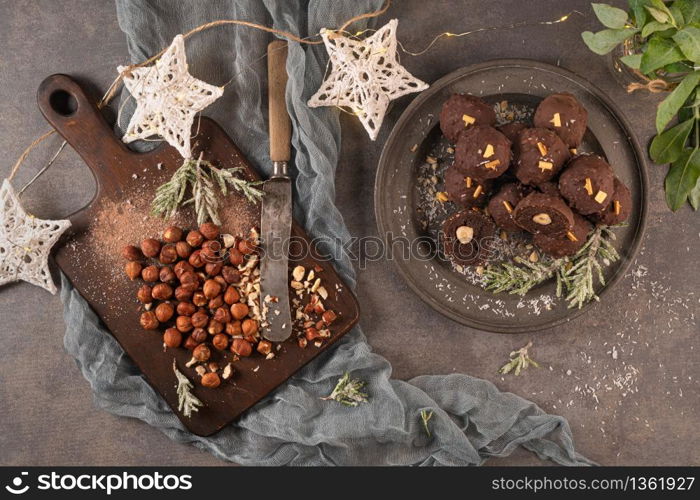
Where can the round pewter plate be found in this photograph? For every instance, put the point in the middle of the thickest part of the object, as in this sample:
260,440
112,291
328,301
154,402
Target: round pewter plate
399,192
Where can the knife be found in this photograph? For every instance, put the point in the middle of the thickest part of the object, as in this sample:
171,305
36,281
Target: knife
276,215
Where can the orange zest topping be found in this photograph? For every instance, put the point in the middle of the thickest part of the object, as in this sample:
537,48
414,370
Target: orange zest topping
468,182
478,191
588,186
571,236
508,207
488,151
441,197
545,165
556,120
542,148
492,164
617,206
468,120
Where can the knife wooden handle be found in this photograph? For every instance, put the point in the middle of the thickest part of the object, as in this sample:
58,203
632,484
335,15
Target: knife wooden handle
280,124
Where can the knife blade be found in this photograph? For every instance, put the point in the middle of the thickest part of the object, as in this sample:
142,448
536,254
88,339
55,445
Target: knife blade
276,214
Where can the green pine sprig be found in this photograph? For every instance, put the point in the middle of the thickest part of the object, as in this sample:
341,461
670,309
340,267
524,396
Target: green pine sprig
186,401
348,391
519,360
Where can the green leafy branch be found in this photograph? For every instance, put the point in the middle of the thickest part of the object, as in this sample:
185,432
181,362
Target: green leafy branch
348,391
519,360
576,275
668,35
203,179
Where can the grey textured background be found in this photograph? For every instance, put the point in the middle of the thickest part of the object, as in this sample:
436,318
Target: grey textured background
625,374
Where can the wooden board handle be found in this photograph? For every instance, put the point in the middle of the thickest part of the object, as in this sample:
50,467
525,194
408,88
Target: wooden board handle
280,124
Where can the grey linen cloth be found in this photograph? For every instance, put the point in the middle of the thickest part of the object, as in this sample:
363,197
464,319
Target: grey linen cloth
472,419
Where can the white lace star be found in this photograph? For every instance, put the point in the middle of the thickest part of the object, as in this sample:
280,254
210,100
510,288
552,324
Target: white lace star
167,99
365,76
25,242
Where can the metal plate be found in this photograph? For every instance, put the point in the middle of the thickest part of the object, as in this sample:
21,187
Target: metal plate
521,82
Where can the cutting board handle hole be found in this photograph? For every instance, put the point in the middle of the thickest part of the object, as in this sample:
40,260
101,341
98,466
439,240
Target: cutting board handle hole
63,102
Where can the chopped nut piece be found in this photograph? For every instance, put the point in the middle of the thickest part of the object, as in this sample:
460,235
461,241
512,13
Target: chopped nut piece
478,191
556,120
298,273
270,355
317,284
489,151
600,196
571,236
542,148
296,285
534,257
542,219
508,206
545,165
479,270
588,186
450,150
228,371
430,160
311,275
464,234
302,342
468,120
414,148
573,151
492,164
617,206
441,197
504,236
228,240
200,370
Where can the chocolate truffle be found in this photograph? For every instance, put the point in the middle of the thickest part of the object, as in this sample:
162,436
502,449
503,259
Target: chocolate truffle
620,207
563,114
502,206
511,130
482,152
587,184
541,155
543,213
468,237
550,188
465,191
561,245
461,111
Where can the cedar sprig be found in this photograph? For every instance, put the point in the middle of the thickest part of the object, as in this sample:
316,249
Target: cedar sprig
203,180
521,276
519,360
186,401
348,391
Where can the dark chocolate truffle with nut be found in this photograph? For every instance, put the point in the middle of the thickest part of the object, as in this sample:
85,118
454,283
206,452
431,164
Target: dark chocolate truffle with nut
462,111
512,130
563,114
587,184
482,152
543,213
465,191
540,156
502,206
468,237
562,245
620,206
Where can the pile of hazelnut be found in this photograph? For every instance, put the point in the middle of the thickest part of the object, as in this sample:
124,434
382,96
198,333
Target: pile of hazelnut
193,288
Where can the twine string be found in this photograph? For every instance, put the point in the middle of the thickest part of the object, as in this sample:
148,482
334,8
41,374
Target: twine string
654,86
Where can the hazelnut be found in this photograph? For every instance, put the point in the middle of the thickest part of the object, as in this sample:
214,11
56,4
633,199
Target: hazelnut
200,319
211,289
149,321
196,260
329,317
133,270
215,327
182,267
211,380
199,299
164,312
230,274
132,253
246,247
231,296
241,347
199,335
172,234
167,275
311,333
235,257
190,343
194,239
150,274
542,219
183,323
150,247
201,353
249,327
239,310
183,293
213,268
264,347
185,308
216,302
189,278
211,250
168,254
183,249
234,328
209,230
221,281
222,315
302,342
162,291
144,294
172,337
220,342
465,234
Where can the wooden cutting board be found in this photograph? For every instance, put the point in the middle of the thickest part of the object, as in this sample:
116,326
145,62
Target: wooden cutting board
123,176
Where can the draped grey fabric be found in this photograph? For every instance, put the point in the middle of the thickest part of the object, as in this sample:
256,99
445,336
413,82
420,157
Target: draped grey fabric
473,420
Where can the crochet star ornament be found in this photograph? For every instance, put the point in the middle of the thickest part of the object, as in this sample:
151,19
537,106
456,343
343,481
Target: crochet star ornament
167,99
365,76
25,242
